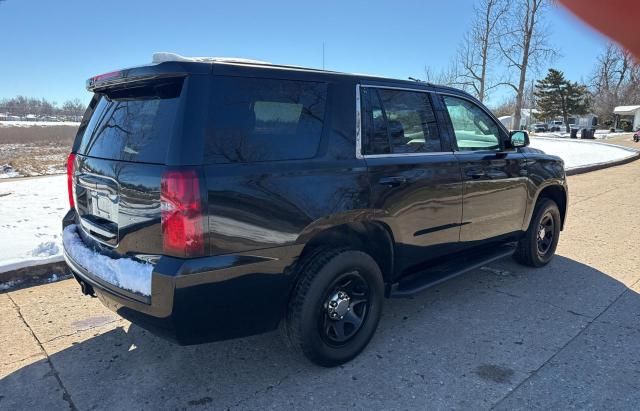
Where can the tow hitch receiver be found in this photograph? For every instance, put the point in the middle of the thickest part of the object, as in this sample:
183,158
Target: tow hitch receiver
86,288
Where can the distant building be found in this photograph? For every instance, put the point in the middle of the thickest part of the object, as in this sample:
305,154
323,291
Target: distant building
527,118
628,111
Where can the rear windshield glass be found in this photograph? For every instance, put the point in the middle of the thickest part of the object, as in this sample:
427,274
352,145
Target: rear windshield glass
131,124
256,119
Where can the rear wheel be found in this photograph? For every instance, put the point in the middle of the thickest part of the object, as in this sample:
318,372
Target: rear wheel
539,243
336,306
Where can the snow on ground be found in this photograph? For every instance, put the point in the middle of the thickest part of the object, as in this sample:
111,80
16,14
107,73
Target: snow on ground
123,272
51,278
31,233
38,123
580,153
31,211
599,135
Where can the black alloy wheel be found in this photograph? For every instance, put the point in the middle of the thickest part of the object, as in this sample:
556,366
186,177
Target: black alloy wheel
546,233
538,244
335,306
345,308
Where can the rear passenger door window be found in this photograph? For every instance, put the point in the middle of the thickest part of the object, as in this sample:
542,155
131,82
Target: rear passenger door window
258,119
398,122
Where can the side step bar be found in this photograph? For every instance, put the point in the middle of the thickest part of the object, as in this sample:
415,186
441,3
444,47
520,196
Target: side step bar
420,281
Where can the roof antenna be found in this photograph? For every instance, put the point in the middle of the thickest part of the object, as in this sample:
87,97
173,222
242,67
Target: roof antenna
323,55
416,79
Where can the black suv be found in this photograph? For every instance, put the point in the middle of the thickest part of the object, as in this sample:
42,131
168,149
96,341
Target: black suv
215,199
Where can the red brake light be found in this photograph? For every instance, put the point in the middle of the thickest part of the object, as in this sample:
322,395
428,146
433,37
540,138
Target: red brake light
107,76
70,164
182,220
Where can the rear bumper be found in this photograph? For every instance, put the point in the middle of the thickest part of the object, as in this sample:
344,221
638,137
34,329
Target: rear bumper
204,299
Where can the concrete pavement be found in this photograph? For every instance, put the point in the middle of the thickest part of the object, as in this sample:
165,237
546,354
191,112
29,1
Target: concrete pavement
504,336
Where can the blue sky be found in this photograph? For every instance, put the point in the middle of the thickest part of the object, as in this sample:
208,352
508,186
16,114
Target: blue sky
48,49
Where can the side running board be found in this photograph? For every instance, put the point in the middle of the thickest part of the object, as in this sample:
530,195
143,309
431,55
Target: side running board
420,281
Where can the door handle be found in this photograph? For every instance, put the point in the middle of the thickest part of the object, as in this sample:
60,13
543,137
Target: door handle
475,174
394,181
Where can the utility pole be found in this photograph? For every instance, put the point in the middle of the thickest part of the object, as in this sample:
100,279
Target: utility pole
532,104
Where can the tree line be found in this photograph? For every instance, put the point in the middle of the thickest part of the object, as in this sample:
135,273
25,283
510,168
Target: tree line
506,40
508,44
615,81
22,106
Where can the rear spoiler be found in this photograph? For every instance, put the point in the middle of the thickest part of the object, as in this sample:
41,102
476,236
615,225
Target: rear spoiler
116,78
144,73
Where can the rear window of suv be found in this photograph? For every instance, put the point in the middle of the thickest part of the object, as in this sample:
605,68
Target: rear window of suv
131,124
257,119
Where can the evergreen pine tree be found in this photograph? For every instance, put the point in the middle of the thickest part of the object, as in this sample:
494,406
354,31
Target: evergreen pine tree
559,97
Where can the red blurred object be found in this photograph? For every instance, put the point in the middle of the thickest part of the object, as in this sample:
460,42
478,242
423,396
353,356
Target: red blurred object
182,220
107,76
617,19
70,164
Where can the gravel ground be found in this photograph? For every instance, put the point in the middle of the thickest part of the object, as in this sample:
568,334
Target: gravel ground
504,336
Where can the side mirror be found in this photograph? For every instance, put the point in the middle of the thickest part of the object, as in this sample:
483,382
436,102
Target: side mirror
519,139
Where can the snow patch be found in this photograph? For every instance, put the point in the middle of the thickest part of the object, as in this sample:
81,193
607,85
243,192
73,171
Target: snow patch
164,56
31,211
599,134
52,278
38,123
46,249
123,272
9,284
581,153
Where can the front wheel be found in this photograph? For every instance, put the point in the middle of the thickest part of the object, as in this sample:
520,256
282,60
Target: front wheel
336,306
539,243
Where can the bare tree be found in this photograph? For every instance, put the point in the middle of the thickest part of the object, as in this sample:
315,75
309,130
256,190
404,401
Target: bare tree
446,77
615,81
523,44
22,106
479,46
505,107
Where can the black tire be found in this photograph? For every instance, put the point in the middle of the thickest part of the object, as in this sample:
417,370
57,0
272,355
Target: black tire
323,276
536,248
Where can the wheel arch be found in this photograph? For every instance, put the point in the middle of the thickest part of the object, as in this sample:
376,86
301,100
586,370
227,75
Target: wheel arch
558,194
372,237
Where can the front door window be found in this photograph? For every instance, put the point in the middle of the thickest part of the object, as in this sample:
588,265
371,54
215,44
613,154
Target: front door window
473,128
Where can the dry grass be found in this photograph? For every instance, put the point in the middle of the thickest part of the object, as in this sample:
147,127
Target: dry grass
62,135
36,150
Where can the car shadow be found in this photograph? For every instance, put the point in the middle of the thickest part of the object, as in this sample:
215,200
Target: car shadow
466,343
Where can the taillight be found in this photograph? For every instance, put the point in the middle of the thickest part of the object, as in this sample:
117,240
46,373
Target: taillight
182,220
107,76
70,163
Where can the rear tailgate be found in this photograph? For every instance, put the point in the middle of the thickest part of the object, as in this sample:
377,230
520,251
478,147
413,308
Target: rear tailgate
122,149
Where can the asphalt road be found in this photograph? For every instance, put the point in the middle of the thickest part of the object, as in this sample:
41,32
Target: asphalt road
504,336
